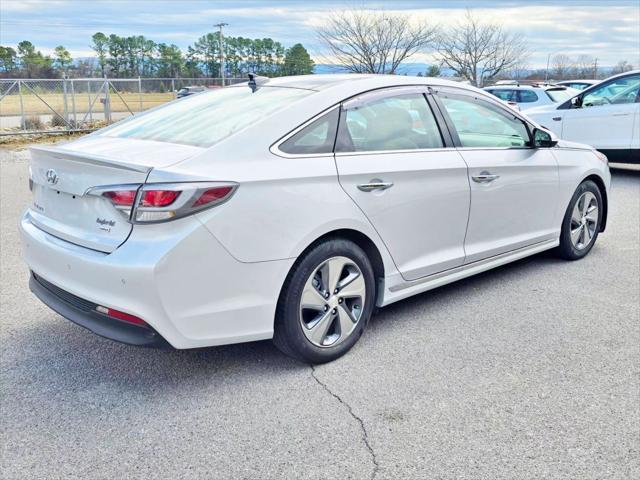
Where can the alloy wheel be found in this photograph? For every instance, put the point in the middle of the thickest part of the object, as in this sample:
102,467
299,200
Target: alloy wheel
332,301
584,220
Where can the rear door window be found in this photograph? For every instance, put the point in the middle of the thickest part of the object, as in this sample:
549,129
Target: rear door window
396,122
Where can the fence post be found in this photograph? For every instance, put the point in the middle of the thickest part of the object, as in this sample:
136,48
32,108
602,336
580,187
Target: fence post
73,105
173,87
22,122
140,92
107,101
64,100
89,99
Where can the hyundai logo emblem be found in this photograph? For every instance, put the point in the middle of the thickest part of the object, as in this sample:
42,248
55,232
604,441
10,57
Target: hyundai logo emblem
52,176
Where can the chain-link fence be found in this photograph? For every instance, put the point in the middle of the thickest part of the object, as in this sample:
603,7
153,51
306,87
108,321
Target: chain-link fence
79,104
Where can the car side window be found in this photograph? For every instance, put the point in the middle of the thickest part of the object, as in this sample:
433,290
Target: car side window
503,94
480,124
527,96
620,90
317,137
401,122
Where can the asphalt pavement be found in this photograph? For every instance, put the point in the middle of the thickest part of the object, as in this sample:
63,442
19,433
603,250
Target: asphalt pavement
529,371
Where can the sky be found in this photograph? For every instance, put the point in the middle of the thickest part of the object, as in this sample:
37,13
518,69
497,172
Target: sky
608,30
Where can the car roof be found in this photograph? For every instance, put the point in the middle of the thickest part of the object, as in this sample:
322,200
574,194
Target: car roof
514,86
320,82
579,80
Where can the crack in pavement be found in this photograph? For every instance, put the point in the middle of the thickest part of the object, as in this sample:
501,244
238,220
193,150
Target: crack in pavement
365,434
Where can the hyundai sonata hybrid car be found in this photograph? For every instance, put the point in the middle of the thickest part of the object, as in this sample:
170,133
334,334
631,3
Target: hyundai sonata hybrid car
291,208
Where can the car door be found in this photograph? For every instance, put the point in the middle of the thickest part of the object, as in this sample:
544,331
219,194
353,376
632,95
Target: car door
514,188
393,161
604,115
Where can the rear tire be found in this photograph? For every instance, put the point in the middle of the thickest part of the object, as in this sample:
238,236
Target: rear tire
325,303
581,223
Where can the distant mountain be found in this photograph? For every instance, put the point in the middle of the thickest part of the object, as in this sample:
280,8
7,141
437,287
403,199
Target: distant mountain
404,69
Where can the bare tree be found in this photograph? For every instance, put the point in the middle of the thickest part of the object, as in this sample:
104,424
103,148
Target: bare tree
373,42
563,66
478,51
584,66
621,67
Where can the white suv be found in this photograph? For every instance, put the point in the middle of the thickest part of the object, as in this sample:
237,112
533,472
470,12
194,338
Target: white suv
606,115
534,95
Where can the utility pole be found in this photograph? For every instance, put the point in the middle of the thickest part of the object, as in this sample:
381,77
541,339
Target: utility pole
220,25
546,70
595,69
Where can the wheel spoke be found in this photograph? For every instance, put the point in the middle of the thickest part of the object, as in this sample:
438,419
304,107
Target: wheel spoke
318,332
584,238
575,235
331,273
576,215
587,235
592,215
346,321
311,297
588,197
354,289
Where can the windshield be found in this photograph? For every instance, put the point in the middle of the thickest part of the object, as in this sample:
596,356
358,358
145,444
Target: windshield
205,119
561,94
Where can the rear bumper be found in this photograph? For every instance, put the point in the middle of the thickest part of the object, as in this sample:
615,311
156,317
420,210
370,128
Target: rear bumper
83,313
176,277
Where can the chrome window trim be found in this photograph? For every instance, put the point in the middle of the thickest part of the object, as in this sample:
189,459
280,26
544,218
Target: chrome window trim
382,152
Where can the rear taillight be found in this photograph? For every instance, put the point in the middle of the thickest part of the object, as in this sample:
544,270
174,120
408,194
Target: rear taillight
159,202
123,198
158,198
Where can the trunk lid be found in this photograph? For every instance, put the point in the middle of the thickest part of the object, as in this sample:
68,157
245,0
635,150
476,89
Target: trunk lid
62,176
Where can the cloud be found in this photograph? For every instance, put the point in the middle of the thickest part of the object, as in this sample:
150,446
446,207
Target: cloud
607,30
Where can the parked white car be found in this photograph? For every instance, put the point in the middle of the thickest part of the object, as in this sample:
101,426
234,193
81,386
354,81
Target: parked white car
578,84
606,115
290,208
527,96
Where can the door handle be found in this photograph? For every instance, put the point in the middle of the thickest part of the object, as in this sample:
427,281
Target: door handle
374,184
485,177
621,114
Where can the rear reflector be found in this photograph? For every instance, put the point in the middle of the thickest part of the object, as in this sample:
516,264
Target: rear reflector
110,312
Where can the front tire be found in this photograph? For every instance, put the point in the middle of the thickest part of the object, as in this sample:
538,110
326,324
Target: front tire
582,222
325,303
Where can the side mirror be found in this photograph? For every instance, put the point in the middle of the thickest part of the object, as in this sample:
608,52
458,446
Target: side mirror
576,102
543,139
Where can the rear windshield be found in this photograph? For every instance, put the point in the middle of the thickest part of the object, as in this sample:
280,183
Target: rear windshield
205,119
560,95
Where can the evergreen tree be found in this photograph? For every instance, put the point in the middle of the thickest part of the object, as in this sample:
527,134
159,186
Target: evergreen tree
297,61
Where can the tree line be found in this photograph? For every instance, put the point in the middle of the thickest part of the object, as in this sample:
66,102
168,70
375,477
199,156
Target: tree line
123,57
359,41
